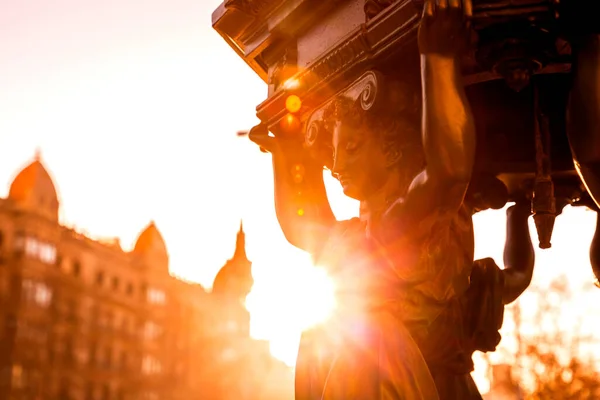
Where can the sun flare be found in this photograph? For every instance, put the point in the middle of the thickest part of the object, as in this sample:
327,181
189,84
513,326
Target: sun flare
286,302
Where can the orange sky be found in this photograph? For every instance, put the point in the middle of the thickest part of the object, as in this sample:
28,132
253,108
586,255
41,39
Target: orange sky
135,105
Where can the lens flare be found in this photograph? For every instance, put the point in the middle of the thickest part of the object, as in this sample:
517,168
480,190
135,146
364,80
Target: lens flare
293,103
303,296
291,84
290,123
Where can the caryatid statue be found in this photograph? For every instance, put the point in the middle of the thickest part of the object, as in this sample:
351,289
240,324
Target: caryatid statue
406,153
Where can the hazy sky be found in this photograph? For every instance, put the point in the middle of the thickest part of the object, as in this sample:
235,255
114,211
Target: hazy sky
135,105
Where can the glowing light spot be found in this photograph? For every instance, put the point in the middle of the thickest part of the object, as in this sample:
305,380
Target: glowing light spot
291,84
293,103
303,297
298,173
290,123
300,212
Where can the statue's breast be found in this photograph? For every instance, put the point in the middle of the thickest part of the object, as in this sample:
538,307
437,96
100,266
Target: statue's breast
354,265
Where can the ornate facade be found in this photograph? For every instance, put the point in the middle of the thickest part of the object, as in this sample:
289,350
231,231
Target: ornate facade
84,320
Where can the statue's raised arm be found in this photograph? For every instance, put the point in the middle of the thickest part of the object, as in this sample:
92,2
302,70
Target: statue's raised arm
301,203
448,131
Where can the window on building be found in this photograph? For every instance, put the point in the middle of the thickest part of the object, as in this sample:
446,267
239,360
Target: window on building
151,330
69,311
132,326
109,319
37,249
69,354
129,289
43,295
105,392
32,247
76,268
63,392
93,349
101,319
124,323
30,331
108,361
150,396
19,242
151,365
47,253
228,355
123,362
37,292
231,326
51,354
89,391
17,377
118,320
99,278
115,283
156,296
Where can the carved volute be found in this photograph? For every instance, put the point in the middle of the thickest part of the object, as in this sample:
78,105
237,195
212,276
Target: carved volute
367,89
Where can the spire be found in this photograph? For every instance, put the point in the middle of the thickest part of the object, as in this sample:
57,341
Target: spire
38,154
240,244
235,277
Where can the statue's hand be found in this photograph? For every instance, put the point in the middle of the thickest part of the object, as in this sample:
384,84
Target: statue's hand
260,135
444,28
274,145
290,149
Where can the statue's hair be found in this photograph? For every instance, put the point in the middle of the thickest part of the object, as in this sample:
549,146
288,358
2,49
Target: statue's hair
398,129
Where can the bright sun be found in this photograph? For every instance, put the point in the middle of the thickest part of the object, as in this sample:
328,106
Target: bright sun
293,298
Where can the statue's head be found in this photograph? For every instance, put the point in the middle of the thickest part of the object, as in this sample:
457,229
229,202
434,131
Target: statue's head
368,145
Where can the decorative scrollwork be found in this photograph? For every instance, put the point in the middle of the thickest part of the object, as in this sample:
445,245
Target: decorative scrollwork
339,58
365,90
368,95
312,132
318,142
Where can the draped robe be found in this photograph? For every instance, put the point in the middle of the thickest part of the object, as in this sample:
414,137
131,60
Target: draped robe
399,317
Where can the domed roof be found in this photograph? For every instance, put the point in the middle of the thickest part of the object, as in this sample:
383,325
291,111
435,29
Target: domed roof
235,277
150,240
33,187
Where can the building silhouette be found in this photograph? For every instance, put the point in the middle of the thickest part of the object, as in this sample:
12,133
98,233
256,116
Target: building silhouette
83,319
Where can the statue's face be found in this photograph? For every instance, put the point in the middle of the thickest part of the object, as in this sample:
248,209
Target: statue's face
359,162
